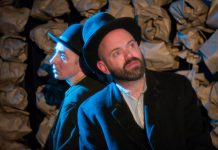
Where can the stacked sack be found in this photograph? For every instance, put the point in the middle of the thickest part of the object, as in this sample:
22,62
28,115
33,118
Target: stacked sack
14,119
177,35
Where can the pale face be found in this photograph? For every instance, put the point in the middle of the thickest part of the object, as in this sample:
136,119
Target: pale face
65,63
120,56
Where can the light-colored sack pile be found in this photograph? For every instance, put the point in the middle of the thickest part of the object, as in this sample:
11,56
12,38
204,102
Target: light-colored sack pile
174,34
14,119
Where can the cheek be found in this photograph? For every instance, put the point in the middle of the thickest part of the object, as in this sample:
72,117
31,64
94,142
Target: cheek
139,53
116,63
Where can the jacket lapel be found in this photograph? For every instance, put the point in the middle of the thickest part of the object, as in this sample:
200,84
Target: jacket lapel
152,112
122,114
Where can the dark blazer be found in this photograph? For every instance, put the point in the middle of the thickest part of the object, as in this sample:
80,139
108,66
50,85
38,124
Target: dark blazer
64,134
172,118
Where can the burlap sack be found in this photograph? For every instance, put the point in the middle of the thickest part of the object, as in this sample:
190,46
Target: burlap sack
12,145
212,17
209,51
88,8
158,2
190,57
13,20
189,13
158,57
47,9
40,37
204,94
44,67
6,2
199,83
41,103
14,124
213,113
11,73
191,39
121,8
44,129
16,98
197,79
13,48
154,22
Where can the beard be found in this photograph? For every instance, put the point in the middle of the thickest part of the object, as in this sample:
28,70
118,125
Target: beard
129,75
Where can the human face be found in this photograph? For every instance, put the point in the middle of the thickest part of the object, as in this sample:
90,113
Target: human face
120,56
65,63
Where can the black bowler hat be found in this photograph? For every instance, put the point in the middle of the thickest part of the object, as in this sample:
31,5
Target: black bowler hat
71,38
96,27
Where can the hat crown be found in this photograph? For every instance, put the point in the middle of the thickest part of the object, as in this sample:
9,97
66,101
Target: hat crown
97,27
73,37
94,23
70,38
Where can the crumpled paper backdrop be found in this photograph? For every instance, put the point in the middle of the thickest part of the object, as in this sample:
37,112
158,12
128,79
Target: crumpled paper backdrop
47,9
212,17
121,8
13,20
11,72
154,21
40,34
189,13
18,121
13,48
209,51
158,57
88,8
16,98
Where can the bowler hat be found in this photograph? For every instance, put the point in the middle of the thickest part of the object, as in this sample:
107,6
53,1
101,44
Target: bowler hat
71,38
96,27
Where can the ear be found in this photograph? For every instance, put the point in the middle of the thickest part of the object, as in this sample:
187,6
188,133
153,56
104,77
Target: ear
102,67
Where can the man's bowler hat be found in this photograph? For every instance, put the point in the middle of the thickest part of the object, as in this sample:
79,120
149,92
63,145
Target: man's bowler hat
96,27
71,38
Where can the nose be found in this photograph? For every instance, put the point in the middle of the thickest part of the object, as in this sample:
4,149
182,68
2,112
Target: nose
128,53
54,59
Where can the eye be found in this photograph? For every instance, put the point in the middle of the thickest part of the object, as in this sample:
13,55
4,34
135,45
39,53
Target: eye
132,44
115,53
62,56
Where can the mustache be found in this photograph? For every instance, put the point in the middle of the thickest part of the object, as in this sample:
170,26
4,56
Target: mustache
130,60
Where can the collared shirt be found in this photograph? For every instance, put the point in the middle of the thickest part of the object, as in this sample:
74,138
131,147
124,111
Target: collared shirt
136,105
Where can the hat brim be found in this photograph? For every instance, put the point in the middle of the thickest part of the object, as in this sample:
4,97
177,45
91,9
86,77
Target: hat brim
90,49
56,39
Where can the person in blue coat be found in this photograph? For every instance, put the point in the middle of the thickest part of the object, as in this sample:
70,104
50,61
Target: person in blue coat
67,64
140,109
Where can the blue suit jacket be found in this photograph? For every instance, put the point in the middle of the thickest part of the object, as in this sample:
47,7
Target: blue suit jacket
64,134
172,118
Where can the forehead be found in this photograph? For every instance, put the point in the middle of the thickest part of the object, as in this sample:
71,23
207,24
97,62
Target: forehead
115,39
59,47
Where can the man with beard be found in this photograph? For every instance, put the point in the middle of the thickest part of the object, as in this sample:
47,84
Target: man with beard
67,64
141,109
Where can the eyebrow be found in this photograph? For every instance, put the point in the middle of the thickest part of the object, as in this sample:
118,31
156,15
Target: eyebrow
132,40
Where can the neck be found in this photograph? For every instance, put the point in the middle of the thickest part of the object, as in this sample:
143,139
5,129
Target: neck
76,78
135,87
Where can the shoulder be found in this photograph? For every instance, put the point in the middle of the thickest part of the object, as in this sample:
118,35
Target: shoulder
167,77
91,84
98,100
